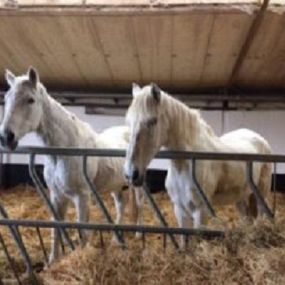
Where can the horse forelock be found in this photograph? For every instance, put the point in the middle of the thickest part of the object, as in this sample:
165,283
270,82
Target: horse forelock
139,108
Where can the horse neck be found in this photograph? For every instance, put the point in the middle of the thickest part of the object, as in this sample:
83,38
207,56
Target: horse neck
61,128
187,129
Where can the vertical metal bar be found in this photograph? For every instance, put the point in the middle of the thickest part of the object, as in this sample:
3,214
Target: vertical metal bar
256,192
200,190
42,244
274,189
80,235
101,239
99,200
159,214
143,239
41,191
10,260
26,256
186,241
20,244
164,241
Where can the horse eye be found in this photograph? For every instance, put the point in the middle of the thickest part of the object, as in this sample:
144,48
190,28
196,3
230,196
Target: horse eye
31,100
151,122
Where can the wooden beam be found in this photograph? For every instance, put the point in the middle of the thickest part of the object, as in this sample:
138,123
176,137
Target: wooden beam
248,42
138,10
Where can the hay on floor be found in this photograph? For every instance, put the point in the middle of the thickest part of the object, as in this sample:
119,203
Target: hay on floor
250,254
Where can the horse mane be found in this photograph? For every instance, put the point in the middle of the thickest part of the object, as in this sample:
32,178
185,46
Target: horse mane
71,120
184,115
54,102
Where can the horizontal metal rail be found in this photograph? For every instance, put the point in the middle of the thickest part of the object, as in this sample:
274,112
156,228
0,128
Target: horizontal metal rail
206,233
161,155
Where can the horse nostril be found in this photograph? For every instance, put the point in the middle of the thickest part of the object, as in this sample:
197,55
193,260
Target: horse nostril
10,136
135,174
126,176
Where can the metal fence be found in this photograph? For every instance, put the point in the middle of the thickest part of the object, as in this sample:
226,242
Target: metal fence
119,230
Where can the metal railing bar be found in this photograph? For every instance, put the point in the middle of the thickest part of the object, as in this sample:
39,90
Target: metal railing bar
42,192
101,240
186,241
164,241
274,188
114,227
165,154
200,190
20,244
143,239
25,254
99,200
42,244
256,192
159,214
10,260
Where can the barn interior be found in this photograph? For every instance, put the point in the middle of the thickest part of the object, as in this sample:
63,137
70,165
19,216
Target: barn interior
224,57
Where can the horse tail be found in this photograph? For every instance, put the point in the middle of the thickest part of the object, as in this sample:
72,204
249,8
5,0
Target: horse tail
133,206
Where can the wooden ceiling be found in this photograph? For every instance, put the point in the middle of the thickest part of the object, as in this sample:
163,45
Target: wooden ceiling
181,45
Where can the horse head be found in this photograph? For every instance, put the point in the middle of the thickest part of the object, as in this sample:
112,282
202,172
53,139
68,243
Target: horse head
22,109
144,118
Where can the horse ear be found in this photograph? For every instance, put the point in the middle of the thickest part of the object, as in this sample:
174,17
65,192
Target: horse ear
136,89
10,77
33,76
155,91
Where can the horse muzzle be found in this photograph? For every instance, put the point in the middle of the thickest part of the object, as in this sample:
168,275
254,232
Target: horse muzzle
8,140
135,177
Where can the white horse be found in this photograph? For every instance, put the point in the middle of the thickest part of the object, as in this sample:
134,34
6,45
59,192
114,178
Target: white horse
157,119
29,108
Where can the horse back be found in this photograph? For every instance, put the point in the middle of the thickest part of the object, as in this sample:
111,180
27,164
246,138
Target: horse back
245,141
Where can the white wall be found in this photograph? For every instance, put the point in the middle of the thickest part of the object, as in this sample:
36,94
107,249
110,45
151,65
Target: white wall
268,123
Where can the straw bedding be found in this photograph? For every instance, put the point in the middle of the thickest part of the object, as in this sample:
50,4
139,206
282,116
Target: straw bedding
250,253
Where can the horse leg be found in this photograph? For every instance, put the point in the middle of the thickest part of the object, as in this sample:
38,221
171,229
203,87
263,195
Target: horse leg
247,207
183,220
139,196
200,217
82,212
120,207
60,205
